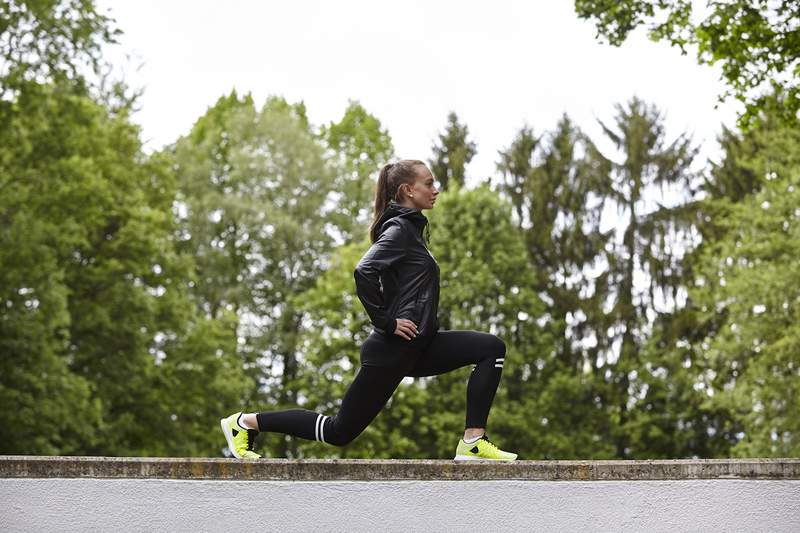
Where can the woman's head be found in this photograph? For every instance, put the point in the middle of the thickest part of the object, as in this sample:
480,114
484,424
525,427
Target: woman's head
409,183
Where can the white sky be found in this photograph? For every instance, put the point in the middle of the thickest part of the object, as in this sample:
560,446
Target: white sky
499,65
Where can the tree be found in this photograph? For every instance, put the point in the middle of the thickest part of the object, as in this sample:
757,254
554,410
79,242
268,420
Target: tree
756,42
517,167
50,408
95,308
558,198
452,153
253,191
644,246
744,292
111,287
51,41
683,381
357,147
214,214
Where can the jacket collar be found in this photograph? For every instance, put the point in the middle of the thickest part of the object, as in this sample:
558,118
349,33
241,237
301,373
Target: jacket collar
393,209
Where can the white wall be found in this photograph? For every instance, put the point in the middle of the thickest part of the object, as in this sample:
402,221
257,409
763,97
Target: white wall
464,506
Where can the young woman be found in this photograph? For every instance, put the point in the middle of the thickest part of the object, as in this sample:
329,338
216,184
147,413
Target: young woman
397,281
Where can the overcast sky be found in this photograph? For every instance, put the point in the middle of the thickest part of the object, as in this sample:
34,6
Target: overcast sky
498,65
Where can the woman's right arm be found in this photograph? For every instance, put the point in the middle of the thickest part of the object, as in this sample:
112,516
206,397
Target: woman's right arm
389,249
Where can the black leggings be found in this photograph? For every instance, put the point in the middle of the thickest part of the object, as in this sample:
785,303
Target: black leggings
374,385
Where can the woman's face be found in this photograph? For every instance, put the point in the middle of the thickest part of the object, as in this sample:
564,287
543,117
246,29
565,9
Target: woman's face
424,192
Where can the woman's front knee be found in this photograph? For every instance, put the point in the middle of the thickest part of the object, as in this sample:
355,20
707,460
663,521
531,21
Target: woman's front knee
498,346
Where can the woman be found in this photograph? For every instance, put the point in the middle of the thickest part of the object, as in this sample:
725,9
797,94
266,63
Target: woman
397,281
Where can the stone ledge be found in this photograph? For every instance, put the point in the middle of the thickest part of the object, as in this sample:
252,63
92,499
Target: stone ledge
26,466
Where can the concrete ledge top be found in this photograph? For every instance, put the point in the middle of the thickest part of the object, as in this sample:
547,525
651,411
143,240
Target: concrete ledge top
28,466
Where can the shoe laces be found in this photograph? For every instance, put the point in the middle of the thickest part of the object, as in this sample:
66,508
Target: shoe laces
489,443
251,437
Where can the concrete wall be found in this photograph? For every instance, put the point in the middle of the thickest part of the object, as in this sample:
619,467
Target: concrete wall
180,495
173,505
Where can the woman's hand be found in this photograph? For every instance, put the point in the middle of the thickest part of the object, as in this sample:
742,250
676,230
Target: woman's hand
406,329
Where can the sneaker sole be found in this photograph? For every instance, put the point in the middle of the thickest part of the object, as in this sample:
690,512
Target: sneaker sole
228,438
473,458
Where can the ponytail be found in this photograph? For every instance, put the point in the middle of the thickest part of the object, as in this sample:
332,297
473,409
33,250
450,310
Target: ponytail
390,177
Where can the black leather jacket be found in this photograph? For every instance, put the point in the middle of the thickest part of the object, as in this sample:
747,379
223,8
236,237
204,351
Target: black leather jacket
398,277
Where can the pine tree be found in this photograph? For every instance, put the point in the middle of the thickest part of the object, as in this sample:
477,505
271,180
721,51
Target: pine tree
451,154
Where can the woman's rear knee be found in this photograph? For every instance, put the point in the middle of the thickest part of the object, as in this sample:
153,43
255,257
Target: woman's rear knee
338,436
340,440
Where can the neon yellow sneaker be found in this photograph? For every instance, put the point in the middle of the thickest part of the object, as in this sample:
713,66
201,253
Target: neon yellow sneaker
482,448
240,440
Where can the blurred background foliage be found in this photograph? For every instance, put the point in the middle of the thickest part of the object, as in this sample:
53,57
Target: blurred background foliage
649,301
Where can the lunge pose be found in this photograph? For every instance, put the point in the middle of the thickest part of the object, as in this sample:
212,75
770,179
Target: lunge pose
397,281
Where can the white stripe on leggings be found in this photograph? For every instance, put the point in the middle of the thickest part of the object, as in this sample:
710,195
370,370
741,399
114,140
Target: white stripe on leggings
322,429
316,427
500,365
499,359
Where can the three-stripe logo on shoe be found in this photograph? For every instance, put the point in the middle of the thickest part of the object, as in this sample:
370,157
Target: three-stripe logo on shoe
498,362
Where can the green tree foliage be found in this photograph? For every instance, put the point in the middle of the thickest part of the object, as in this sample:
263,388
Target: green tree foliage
46,405
560,184
95,314
517,166
357,145
756,42
558,197
544,406
745,293
109,290
44,402
452,153
643,246
679,347
51,41
253,186
211,209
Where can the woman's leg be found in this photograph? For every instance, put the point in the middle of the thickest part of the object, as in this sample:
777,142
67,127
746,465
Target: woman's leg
363,400
453,349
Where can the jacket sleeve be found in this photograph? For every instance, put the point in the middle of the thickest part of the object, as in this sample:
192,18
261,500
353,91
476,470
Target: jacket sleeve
386,251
